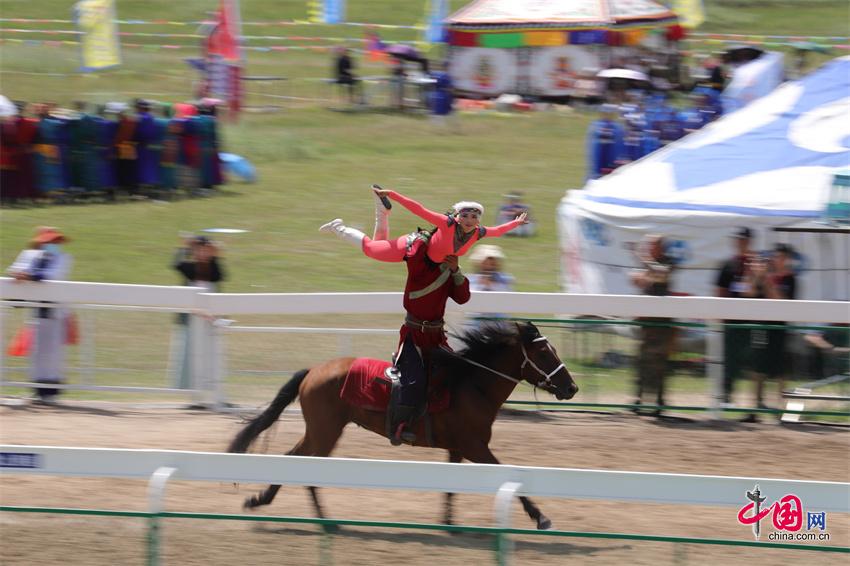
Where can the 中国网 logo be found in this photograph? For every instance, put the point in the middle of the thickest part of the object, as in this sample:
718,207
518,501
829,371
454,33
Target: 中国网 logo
786,515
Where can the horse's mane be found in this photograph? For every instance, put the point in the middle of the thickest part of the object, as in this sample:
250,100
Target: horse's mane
480,345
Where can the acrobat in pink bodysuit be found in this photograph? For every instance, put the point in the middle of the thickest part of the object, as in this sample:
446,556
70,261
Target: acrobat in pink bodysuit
455,234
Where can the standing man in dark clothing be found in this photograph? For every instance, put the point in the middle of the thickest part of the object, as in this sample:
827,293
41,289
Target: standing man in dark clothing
735,280
345,74
657,335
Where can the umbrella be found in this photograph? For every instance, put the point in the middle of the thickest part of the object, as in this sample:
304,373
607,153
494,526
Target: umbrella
7,108
403,51
238,166
622,74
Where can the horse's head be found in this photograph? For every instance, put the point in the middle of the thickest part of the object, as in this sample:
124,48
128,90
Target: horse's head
541,365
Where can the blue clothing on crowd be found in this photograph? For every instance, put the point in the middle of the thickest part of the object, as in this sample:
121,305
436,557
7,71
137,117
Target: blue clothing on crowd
604,147
442,96
49,170
146,155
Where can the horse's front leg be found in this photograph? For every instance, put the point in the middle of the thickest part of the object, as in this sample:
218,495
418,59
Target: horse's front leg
481,454
454,458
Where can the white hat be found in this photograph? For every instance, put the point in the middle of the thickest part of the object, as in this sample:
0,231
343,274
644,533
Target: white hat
464,204
483,251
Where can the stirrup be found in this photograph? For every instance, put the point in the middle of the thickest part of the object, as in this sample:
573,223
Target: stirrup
402,435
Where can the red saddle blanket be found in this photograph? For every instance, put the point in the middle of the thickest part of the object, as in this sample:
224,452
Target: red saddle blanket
367,387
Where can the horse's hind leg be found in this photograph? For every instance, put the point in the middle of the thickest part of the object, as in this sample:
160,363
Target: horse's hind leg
267,495
455,458
481,454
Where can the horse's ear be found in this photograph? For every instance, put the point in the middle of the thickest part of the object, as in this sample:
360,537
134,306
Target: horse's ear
528,331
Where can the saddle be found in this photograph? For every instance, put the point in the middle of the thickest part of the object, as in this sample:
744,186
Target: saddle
368,385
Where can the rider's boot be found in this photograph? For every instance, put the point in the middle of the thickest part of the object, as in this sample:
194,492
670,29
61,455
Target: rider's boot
344,232
402,425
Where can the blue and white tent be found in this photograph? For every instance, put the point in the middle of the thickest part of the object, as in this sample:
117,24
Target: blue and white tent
770,164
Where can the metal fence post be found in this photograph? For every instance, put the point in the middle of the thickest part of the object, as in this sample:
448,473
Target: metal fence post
714,366
502,511
156,491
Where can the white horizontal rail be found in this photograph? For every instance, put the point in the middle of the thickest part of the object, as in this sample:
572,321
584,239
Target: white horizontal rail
419,476
73,292
547,304
308,329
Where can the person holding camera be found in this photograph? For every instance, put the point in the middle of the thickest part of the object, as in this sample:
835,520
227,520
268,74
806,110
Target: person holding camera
657,334
770,277
198,261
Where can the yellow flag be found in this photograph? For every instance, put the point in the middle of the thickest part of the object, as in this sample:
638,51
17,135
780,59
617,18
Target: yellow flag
691,12
99,41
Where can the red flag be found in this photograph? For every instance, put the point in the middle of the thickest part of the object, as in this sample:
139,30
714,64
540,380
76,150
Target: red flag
222,39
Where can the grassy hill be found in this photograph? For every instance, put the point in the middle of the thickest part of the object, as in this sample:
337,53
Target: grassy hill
315,164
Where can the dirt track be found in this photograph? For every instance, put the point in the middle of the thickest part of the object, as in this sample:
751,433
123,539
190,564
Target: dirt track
617,442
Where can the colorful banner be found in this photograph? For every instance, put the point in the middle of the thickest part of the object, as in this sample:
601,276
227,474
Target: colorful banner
326,11
436,11
99,45
554,70
691,12
485,71
545,38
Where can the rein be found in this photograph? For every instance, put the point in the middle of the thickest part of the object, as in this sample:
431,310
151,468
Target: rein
547,381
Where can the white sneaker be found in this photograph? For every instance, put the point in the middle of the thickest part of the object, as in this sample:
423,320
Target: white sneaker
334,225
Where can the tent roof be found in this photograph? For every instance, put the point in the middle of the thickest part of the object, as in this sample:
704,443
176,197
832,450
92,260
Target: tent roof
775,157
501,14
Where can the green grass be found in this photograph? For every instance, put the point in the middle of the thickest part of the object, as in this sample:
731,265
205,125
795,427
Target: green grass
315,164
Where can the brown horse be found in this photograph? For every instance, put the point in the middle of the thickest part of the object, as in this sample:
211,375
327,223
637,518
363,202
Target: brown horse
480,377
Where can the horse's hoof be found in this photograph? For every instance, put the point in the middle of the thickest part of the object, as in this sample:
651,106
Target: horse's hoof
544,523
331,529
250,503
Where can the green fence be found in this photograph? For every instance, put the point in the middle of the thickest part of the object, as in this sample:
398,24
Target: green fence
500,547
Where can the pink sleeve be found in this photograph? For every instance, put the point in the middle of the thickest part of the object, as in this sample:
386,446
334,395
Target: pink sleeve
501,229
419,210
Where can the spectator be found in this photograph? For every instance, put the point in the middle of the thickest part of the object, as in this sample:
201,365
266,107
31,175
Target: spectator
442,95
489,276
770,279
199,263
48,152
657,335
512,208
45,260
345,77
828,350
126,158
604,142
734,280
397,81
209,144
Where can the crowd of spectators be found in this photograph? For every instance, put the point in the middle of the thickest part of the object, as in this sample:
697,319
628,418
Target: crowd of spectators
49,153
643,124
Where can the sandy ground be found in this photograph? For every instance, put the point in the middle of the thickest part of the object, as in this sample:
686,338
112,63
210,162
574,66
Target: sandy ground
583,440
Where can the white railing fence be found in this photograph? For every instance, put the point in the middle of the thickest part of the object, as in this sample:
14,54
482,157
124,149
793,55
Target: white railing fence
503,482
208,324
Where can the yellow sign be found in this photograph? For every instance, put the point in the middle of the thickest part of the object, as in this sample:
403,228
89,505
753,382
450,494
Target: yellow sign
99,42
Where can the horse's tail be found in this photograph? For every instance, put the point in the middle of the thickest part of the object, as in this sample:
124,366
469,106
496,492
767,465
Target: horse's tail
264,420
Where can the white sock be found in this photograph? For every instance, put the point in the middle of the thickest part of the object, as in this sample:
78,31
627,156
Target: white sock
382,220
344,232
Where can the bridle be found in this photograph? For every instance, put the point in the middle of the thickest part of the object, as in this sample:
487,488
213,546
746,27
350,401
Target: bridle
547,377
